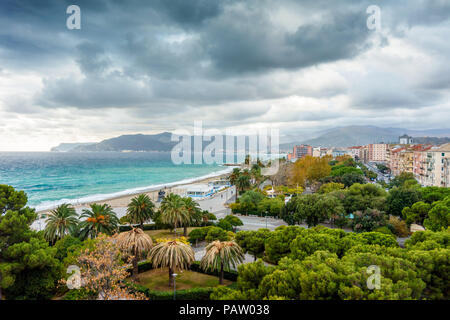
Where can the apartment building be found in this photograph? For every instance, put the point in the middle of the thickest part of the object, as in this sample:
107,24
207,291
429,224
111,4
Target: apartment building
355,152
401,159
377,152
420,163
437,164
302,151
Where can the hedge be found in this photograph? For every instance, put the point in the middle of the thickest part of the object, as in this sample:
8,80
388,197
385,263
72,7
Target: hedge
184,294
195,266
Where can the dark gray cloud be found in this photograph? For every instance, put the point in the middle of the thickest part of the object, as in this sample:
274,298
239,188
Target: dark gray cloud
159,59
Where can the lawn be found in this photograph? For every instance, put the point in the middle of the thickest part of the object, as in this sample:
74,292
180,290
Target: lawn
167,234
158,279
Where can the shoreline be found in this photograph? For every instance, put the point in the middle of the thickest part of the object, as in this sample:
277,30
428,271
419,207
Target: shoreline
122,198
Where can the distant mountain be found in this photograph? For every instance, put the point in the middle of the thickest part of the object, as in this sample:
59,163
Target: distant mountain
66,147
362,135
135,142
337,137
432,140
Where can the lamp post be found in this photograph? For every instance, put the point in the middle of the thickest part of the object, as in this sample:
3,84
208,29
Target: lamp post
174,285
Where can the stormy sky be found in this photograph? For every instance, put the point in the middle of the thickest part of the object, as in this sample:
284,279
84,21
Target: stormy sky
158,65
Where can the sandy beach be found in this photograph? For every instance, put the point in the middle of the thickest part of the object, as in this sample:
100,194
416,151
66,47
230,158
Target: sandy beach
123,201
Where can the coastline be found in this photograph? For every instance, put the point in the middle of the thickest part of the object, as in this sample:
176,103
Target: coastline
122,198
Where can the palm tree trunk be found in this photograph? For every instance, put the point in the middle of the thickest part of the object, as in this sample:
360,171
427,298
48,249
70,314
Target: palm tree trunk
185,231
135,267
221,273
254,257
170,277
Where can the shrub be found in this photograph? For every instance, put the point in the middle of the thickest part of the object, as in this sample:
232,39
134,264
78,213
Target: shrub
368,220
384,230
184,294
278,242
216,233
225,225
399,226
198,234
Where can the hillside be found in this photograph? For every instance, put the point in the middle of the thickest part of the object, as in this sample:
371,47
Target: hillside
67,147
136,142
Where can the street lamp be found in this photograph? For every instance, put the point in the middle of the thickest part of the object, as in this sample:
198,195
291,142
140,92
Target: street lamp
174,275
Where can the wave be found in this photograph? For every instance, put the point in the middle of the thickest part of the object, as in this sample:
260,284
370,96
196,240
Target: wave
49,205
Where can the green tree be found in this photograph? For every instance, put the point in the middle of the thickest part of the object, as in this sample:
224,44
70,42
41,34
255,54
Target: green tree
248,202
233,221
217,233
439,217
225,225
399,198
235,175
339,172
330,187
60,222
173,211
314,208
140,210
308,243
351,178
28,267
416,213
278,242
194,213
432,194
360,197
253,241
243,182
271,206
400,180
251,274
99,219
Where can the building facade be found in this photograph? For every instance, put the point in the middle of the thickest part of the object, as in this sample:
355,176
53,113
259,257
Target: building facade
377,152
302,151
438,166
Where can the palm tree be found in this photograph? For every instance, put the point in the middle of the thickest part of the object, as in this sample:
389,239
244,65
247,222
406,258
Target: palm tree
243,182
193,211
234,175
136,243
172,254
247,160
60,222
99,219
173,211
222,255
140,209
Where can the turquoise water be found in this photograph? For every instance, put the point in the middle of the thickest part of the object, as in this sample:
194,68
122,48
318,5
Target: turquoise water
51,178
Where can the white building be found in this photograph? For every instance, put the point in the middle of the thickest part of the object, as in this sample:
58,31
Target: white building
199,191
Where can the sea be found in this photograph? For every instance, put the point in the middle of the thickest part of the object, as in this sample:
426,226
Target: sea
53,178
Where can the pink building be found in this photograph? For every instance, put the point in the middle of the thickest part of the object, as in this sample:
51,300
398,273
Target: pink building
378,152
